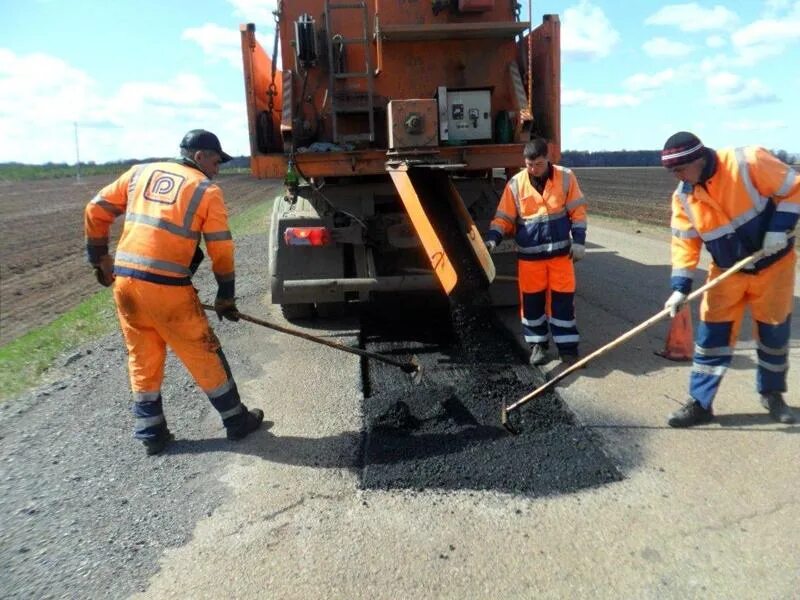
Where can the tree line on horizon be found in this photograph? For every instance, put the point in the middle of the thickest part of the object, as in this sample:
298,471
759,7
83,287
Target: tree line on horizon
14,171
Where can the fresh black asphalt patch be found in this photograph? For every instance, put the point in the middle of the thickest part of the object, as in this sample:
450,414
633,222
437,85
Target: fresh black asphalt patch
446,433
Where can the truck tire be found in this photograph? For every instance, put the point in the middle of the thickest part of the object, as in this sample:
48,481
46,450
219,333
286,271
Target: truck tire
296,312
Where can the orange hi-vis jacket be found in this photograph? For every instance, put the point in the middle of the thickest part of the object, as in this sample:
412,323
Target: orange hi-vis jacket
749,193
544,225
167,207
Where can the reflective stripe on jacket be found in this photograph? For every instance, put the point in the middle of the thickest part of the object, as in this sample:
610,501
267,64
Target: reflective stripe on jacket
543,225
167,207
751,192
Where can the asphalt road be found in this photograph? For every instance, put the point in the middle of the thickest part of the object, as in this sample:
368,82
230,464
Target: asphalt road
699,513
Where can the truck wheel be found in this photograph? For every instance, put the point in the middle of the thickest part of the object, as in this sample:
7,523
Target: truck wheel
295,312
331,310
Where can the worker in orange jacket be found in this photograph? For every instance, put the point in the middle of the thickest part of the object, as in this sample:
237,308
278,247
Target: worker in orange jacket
543,208
736,201
168,206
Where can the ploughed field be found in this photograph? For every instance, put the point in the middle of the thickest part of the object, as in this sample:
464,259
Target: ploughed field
43,269
641,193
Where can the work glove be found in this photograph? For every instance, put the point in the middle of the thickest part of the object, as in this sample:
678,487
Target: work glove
490,245
226,308
104,270
774,242
577,252
675,302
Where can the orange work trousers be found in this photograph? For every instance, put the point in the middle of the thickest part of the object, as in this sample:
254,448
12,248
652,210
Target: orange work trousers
153,316
770,296
547,302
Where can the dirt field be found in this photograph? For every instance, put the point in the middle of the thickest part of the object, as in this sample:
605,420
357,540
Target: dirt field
641,193
43,270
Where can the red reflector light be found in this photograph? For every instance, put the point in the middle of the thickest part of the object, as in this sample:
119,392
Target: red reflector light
307,236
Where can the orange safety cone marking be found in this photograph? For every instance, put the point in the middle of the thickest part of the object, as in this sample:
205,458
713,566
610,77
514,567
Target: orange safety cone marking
680,339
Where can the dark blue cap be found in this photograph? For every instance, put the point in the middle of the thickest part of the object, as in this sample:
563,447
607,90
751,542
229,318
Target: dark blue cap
200,139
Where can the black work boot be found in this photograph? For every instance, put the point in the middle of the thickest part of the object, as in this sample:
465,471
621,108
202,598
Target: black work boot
538,354
778,410
157,444
250,421
690,414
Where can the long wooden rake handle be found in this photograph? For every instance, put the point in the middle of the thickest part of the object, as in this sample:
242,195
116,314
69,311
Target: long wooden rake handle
628,335
413,367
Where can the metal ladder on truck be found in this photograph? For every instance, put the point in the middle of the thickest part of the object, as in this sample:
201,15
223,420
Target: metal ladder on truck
340,106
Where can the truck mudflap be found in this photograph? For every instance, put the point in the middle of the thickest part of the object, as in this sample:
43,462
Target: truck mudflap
445,228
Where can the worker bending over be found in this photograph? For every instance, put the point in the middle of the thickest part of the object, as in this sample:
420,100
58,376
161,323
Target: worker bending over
167,207
543,208
736,202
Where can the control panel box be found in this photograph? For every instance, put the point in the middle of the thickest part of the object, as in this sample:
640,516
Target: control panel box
413,123
468,115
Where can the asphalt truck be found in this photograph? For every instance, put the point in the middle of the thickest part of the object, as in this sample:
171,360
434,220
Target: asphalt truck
392,124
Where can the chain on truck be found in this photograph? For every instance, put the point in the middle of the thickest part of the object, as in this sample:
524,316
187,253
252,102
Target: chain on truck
388,120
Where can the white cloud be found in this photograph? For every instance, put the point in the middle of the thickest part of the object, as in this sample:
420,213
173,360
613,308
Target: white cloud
660,47
757,41
714,64
586,32
42,97
256,11
715,41
747,125
594,100
777,6
589,133
218,43
185,92
729,90
641,82
693,17
42,86
763,39
738,58
224,44
768,31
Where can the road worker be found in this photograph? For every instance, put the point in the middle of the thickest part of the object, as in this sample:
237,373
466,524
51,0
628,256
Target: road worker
543,208
736,202
167,207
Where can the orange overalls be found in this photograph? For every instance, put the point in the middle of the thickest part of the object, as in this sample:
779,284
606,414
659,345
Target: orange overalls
750,192
544,227
167,207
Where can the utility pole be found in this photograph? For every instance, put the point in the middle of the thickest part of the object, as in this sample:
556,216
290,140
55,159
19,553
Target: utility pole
77,157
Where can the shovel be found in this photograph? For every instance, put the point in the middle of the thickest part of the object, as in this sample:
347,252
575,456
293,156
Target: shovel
624,337
413,367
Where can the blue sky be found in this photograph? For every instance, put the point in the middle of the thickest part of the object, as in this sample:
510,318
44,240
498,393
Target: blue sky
136,75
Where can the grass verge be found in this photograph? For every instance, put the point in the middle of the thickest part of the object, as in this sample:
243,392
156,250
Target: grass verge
24,361
252,220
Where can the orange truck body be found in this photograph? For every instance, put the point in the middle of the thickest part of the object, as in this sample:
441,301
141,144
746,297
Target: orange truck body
370,90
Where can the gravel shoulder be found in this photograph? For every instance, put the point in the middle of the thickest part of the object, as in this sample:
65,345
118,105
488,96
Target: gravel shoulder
84,513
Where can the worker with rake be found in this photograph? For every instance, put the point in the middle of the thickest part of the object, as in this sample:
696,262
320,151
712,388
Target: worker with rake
543,207
168,206
737,202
